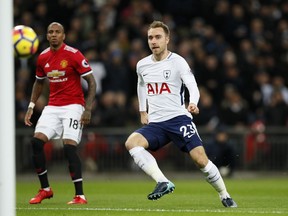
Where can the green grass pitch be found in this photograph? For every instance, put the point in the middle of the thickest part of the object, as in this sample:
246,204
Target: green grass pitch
195,197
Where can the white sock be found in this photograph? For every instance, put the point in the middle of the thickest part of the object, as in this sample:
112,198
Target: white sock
47,189
147,163
214,177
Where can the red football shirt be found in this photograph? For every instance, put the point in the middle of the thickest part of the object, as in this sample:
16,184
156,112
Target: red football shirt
64,69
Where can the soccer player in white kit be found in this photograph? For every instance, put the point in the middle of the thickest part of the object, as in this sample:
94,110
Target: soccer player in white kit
162,78
67,110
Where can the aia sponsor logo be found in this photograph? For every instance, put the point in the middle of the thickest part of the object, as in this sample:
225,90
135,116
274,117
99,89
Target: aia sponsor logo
157,88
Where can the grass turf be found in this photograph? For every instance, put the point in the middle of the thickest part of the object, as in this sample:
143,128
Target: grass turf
128,197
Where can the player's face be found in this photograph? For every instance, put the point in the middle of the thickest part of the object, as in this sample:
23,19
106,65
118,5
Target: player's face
55,36
157,41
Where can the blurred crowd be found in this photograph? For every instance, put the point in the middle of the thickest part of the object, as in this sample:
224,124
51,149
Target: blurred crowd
237,49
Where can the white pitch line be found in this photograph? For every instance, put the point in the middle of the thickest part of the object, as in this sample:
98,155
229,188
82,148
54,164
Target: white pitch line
162,210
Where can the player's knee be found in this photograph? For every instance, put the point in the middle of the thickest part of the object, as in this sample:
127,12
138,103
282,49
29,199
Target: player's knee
128,144
37,145
135,140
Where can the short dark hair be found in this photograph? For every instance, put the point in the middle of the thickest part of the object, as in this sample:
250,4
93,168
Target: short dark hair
159,24
56,23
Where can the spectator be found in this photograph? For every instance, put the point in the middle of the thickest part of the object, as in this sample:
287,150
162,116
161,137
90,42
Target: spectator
234,110
210,76
95,150
276,112
112,109
257,147
99,70
278,84
222,153
208,117
249,36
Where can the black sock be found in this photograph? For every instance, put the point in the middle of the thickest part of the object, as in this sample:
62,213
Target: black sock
78,188
40,161
75,169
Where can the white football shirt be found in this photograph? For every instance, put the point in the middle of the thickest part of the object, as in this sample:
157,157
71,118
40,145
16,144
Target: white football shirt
161,86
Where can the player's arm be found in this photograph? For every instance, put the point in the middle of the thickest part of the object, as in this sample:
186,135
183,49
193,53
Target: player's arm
91,92
141,92
36,92
193,99
194,94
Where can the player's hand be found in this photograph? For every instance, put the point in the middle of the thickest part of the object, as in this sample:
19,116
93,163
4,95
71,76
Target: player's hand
28,117
193,109
86,117
144,118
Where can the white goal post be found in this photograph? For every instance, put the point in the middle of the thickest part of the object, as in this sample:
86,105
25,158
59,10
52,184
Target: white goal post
7,118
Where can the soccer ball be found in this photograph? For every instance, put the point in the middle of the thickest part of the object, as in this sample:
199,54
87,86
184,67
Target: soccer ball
25,41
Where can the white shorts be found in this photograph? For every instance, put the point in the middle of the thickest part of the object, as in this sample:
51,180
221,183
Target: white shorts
61,122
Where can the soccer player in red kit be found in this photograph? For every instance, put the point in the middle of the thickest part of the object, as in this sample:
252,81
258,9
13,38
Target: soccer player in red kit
67,110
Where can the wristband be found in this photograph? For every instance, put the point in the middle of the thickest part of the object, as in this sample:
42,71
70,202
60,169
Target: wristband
31,105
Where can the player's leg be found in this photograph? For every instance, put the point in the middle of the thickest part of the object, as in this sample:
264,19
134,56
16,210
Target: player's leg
212,174
39,162
186,137
137,144
71,138
75,169
43,132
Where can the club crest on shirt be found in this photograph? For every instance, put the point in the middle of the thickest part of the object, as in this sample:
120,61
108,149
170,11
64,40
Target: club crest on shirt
64,63
166,74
